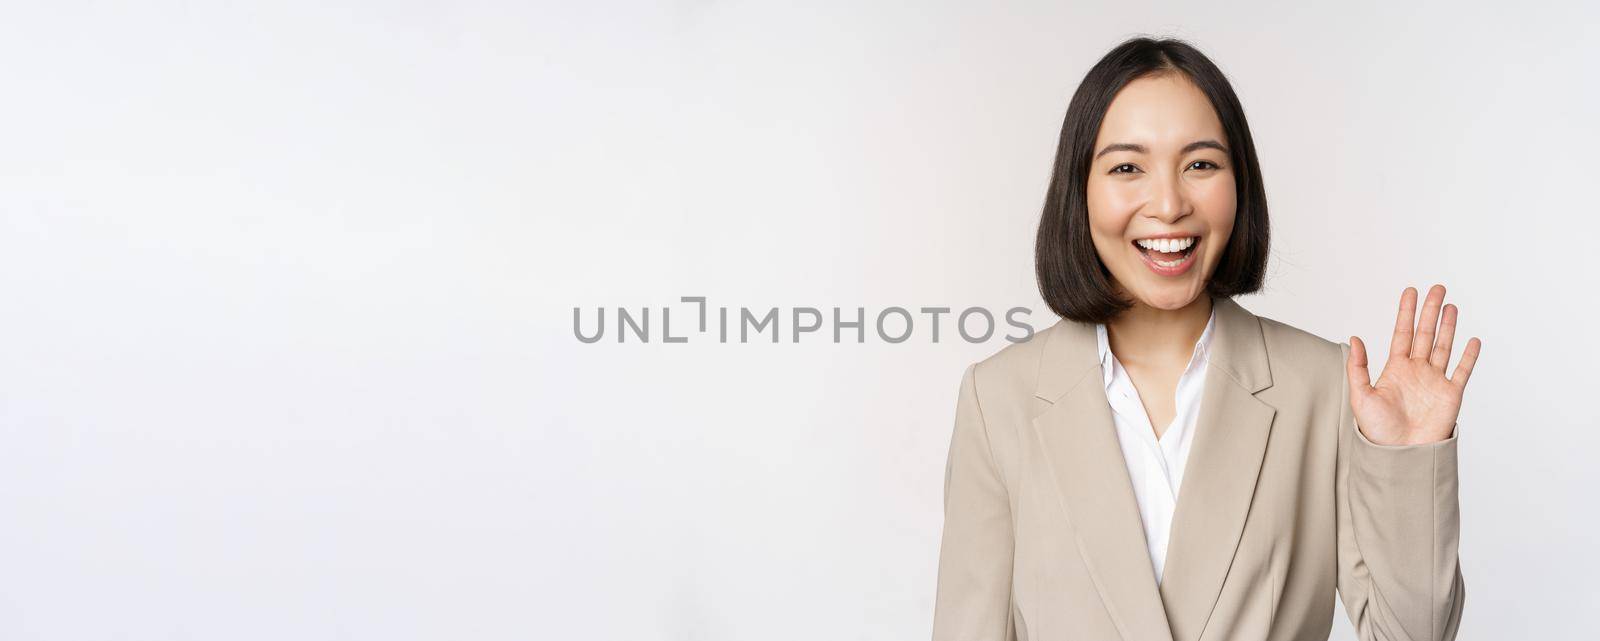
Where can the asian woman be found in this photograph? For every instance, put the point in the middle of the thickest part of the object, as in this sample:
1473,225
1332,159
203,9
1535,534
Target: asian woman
1163,464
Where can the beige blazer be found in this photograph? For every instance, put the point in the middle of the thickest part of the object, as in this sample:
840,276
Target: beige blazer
1283,501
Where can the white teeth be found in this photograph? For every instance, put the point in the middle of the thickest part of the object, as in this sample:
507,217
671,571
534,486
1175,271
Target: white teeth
1166,245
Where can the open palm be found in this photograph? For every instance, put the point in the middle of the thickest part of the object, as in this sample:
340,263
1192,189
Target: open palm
1413,402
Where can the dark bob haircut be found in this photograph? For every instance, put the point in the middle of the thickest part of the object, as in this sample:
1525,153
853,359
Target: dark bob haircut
1073,280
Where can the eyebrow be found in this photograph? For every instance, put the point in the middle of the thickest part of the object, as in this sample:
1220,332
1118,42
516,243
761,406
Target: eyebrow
1128,146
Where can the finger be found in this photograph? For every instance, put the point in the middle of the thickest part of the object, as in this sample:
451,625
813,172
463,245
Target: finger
1447,336
1356,366
1423,344
1400,345
1469,357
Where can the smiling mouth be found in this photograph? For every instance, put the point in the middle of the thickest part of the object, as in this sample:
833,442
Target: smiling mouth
1168,259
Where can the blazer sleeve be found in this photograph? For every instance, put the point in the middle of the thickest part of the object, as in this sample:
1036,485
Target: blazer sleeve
1398,526
973,598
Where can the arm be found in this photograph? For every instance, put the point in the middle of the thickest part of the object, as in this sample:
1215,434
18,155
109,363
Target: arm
973,599
1398,527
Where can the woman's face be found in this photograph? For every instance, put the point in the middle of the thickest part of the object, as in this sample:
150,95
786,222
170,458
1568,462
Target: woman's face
1161,171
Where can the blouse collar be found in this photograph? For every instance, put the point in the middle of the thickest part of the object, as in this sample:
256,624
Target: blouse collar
1201,354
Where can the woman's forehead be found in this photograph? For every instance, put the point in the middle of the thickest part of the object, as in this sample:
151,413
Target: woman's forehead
1161,110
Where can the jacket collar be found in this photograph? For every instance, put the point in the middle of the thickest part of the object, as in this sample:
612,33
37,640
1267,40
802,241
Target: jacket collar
1078,440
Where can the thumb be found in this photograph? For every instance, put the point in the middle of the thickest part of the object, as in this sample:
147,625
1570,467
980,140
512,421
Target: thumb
1356,366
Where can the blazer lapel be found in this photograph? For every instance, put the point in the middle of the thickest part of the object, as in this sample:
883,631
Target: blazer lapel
1219,482
1080,444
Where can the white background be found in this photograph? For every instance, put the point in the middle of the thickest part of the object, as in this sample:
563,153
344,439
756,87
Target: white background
287,296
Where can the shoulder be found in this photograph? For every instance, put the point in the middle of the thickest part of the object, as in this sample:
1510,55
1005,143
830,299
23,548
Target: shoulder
1009,377
1001,390
1301,356
1294,340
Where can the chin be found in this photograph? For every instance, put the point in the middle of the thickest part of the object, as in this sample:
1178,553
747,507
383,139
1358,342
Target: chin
1170,300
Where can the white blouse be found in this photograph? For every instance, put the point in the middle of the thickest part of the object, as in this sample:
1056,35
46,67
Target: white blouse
1155,465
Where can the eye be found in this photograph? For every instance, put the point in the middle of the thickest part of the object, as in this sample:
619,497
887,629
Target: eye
1203,165
1125,168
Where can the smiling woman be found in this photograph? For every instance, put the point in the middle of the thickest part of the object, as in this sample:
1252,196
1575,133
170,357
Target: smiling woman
1155,129
1173,174
1163,464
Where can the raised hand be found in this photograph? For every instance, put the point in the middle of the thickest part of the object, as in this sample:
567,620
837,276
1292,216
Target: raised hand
1413,402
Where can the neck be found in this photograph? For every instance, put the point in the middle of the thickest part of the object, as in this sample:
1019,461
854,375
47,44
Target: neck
1150,335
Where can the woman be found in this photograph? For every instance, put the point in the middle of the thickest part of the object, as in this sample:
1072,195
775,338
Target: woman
1063,515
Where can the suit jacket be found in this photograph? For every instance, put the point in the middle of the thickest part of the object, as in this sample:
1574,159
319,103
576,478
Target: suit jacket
1283,501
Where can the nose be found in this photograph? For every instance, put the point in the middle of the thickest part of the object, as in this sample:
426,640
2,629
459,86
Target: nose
1168,202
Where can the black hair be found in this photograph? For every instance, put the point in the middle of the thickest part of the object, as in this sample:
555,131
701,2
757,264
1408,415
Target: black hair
1072,279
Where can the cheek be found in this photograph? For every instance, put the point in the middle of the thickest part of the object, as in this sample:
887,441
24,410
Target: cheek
1111,206
1217,202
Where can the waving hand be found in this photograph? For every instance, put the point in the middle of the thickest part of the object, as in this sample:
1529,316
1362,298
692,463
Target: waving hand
1413,402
